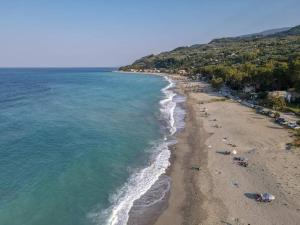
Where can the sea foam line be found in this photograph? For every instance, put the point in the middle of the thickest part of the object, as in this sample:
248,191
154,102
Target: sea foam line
142,181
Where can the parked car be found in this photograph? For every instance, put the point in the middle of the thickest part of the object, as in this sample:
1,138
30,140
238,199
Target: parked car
265,112
259,109
272,114
293,125
280,120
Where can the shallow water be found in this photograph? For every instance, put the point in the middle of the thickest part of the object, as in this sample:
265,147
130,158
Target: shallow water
71,139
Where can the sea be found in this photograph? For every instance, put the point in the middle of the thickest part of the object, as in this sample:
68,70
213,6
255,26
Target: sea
79,146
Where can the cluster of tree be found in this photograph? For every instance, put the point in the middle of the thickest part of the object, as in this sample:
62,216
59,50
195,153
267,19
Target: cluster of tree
270,62
273,75
277,103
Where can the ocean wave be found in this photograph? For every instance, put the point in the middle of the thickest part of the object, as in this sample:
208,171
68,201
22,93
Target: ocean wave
142,181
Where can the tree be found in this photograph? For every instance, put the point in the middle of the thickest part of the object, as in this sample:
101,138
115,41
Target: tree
280,73
294,69
278,103
217,82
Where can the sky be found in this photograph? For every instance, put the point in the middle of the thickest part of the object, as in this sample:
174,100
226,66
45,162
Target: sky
104,33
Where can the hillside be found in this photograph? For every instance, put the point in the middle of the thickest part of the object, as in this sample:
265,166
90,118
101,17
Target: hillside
270,62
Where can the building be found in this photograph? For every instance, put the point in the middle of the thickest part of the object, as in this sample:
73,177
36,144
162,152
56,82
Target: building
292,96
182,72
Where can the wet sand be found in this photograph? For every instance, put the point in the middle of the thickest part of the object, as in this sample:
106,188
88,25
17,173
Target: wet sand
221,191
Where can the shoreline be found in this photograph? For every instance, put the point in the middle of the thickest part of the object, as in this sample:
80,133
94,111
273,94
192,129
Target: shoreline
184,197
151,185
145,73
179,205
221,191
174,196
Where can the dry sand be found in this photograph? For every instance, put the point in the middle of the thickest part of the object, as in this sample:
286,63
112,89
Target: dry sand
220,193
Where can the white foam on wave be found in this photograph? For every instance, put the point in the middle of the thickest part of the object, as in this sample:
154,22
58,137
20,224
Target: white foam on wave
142,181
168,105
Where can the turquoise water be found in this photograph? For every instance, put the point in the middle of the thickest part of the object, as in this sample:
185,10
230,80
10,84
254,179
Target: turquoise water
69,141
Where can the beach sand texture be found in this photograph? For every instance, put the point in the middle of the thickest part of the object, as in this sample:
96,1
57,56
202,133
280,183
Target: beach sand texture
221,192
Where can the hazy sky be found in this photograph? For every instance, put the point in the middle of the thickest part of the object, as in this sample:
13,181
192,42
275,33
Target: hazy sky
113,33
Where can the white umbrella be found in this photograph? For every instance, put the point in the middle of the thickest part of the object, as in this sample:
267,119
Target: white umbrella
267,197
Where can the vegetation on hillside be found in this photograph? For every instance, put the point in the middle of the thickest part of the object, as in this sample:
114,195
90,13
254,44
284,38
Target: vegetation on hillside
269,62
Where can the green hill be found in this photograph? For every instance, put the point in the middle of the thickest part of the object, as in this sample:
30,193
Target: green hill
270,62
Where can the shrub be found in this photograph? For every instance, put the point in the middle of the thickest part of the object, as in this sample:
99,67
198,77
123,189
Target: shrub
277,115
217,82
277,103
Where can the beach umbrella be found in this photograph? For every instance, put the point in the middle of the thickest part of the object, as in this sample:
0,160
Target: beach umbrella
267,197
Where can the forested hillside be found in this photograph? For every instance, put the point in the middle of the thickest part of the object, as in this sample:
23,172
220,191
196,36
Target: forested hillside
268,62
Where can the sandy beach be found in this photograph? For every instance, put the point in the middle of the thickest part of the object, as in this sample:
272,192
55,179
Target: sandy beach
221,191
